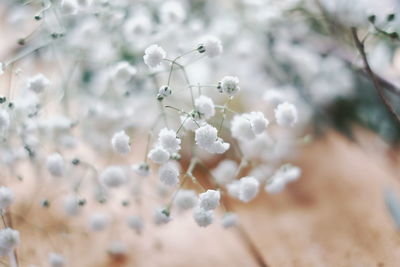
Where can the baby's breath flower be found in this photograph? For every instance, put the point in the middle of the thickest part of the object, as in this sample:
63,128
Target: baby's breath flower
185,199
168,174
286,114
159,155
205,136
203,217
169,141
258,122
141,169
209,200
136,223
248,188
205,106
241,128
161,216
225,172
98,221
9,239
219,147
38,83
121,142
56,260
137,26
71,205
55,164
172,12
164,91
154,55
124,71
230,85
229,220
284,175
275,186
6,197
69,7
211,46
113,176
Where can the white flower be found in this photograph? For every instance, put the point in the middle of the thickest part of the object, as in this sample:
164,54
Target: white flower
275,186
190,123
164,91
137,26
274,97
211,46
169,141
141,169
205,106
159,155
161,216
209,200
219,147
185,199
241,128
225,172
6,197
206,136
69,7
113,176
230,85
258,122
4,120
248,188
9,239
136,223
168,174
203,217
229,220
285,174
286,114
71,205
121,142
154,55
98,221
172,12
124,71
38,83
55,164
56,260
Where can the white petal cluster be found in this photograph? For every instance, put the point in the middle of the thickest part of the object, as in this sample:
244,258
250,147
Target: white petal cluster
159,155
71,205
55,164
164,91
203,217
136,223
211,46
56,260
185,199
225,172
258,122
98,221
6,197
38,83
161,216
229,220
190,123
286,114
169,141
230,85
284,175
247,126
113,176
141,169
9,239
139,25
244,189
209,200
205,106
154,55
207,138
169,174
121,142
124,71
69,7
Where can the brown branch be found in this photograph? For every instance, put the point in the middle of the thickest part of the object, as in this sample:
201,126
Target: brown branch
377,82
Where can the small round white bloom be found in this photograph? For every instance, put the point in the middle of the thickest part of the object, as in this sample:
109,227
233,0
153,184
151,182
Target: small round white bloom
168,174
205,136
203,217
229,220
209,200
161,216
234,189
248,188
185,199
286,114
6,197
56,260
71,205
211,46
113,176
241,128
121,142
38,83
164,91
190,123
141,169
9,239
124,71
169,141
55,164
219,147
137,26
275,186
258,122
172,12
274,97
205,106
69,7
4,120
98,221
225,172
159,155
230,85
154,55
136,223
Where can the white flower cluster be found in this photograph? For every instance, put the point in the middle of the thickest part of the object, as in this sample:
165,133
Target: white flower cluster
284,175
207,138
9,239
208,202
